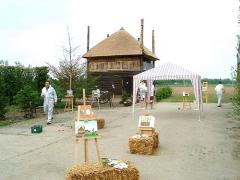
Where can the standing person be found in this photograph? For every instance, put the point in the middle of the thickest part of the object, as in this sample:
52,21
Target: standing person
50,98
219,91
142,90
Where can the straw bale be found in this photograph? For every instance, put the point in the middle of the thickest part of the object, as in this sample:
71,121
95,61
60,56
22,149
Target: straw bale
100,123
143,144
99,172
155,139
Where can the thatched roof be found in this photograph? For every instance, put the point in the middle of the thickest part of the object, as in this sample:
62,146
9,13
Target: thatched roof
121,43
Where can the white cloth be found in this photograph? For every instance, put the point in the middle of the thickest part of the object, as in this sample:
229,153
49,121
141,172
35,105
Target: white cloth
219,89
219,97
152,90
50,97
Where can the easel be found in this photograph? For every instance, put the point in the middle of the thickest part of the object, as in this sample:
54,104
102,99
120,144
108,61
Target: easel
69,103
205,91
186,101
88,115
96,95
145,128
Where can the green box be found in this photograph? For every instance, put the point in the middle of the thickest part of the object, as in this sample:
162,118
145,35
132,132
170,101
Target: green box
36,129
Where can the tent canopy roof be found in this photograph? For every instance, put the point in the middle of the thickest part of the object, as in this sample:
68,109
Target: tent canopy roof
167,71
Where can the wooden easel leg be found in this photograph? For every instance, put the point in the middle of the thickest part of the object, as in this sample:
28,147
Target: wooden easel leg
99,108
183,103
65,106
72,104
97,148
76,151
86,150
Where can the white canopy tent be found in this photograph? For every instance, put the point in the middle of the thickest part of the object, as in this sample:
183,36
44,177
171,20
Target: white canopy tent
168,71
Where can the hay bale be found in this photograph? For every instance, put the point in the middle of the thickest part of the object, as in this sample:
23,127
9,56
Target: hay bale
97,172
155,139
143,144
100,123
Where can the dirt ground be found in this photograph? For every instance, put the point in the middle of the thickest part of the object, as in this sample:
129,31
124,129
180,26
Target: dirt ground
190,149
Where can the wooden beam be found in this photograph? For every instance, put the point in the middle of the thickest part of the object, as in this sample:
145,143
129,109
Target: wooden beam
88,37
153,46
141,34
153,42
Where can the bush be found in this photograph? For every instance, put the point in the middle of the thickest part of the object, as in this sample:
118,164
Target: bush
163,93
3,104
27,99
125,99
236,97
3,101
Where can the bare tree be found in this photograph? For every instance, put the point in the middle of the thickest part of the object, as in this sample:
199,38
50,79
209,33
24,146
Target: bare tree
71,66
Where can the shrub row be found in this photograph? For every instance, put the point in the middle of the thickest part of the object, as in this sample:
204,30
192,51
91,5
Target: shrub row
163,92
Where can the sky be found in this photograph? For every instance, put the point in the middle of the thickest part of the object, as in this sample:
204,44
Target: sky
198,35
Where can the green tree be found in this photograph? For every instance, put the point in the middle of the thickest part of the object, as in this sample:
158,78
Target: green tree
71,67
87,83
41,75
11,81
236,98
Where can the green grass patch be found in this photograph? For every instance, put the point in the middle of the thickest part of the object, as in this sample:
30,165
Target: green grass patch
227,98
4,123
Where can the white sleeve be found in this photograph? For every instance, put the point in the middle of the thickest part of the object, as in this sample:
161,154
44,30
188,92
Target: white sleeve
55,95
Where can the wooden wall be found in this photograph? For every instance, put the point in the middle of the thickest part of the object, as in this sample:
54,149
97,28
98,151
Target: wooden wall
114,64
116,70
122,80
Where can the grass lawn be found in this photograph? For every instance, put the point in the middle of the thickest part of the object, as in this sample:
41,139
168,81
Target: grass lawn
177,94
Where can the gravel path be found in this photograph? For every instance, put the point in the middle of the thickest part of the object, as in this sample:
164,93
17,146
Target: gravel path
208,149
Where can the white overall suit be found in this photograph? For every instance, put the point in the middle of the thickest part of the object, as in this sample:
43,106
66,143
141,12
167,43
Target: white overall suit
219,91
50,97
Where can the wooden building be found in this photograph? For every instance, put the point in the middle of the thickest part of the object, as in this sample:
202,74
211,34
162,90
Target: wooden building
116,59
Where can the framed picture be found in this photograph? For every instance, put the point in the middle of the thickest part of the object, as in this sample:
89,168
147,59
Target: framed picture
86,129
69,92
146,121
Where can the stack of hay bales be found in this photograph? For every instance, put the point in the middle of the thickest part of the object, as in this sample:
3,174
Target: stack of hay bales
97,171
144,144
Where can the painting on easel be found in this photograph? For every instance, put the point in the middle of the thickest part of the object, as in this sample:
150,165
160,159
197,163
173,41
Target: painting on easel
146,121
86,129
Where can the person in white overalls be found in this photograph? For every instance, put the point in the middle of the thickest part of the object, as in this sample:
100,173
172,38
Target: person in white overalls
50,98
142,90
219,91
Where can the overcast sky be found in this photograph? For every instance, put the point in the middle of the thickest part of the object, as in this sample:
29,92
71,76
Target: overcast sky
197,34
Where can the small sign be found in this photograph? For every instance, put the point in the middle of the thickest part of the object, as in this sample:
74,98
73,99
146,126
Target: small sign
96,93
69,92
146,121
185,93
86,129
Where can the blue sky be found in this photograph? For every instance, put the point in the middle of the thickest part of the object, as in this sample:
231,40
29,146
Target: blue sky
199,35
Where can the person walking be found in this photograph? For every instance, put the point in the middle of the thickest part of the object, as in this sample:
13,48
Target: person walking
219,91
50,98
